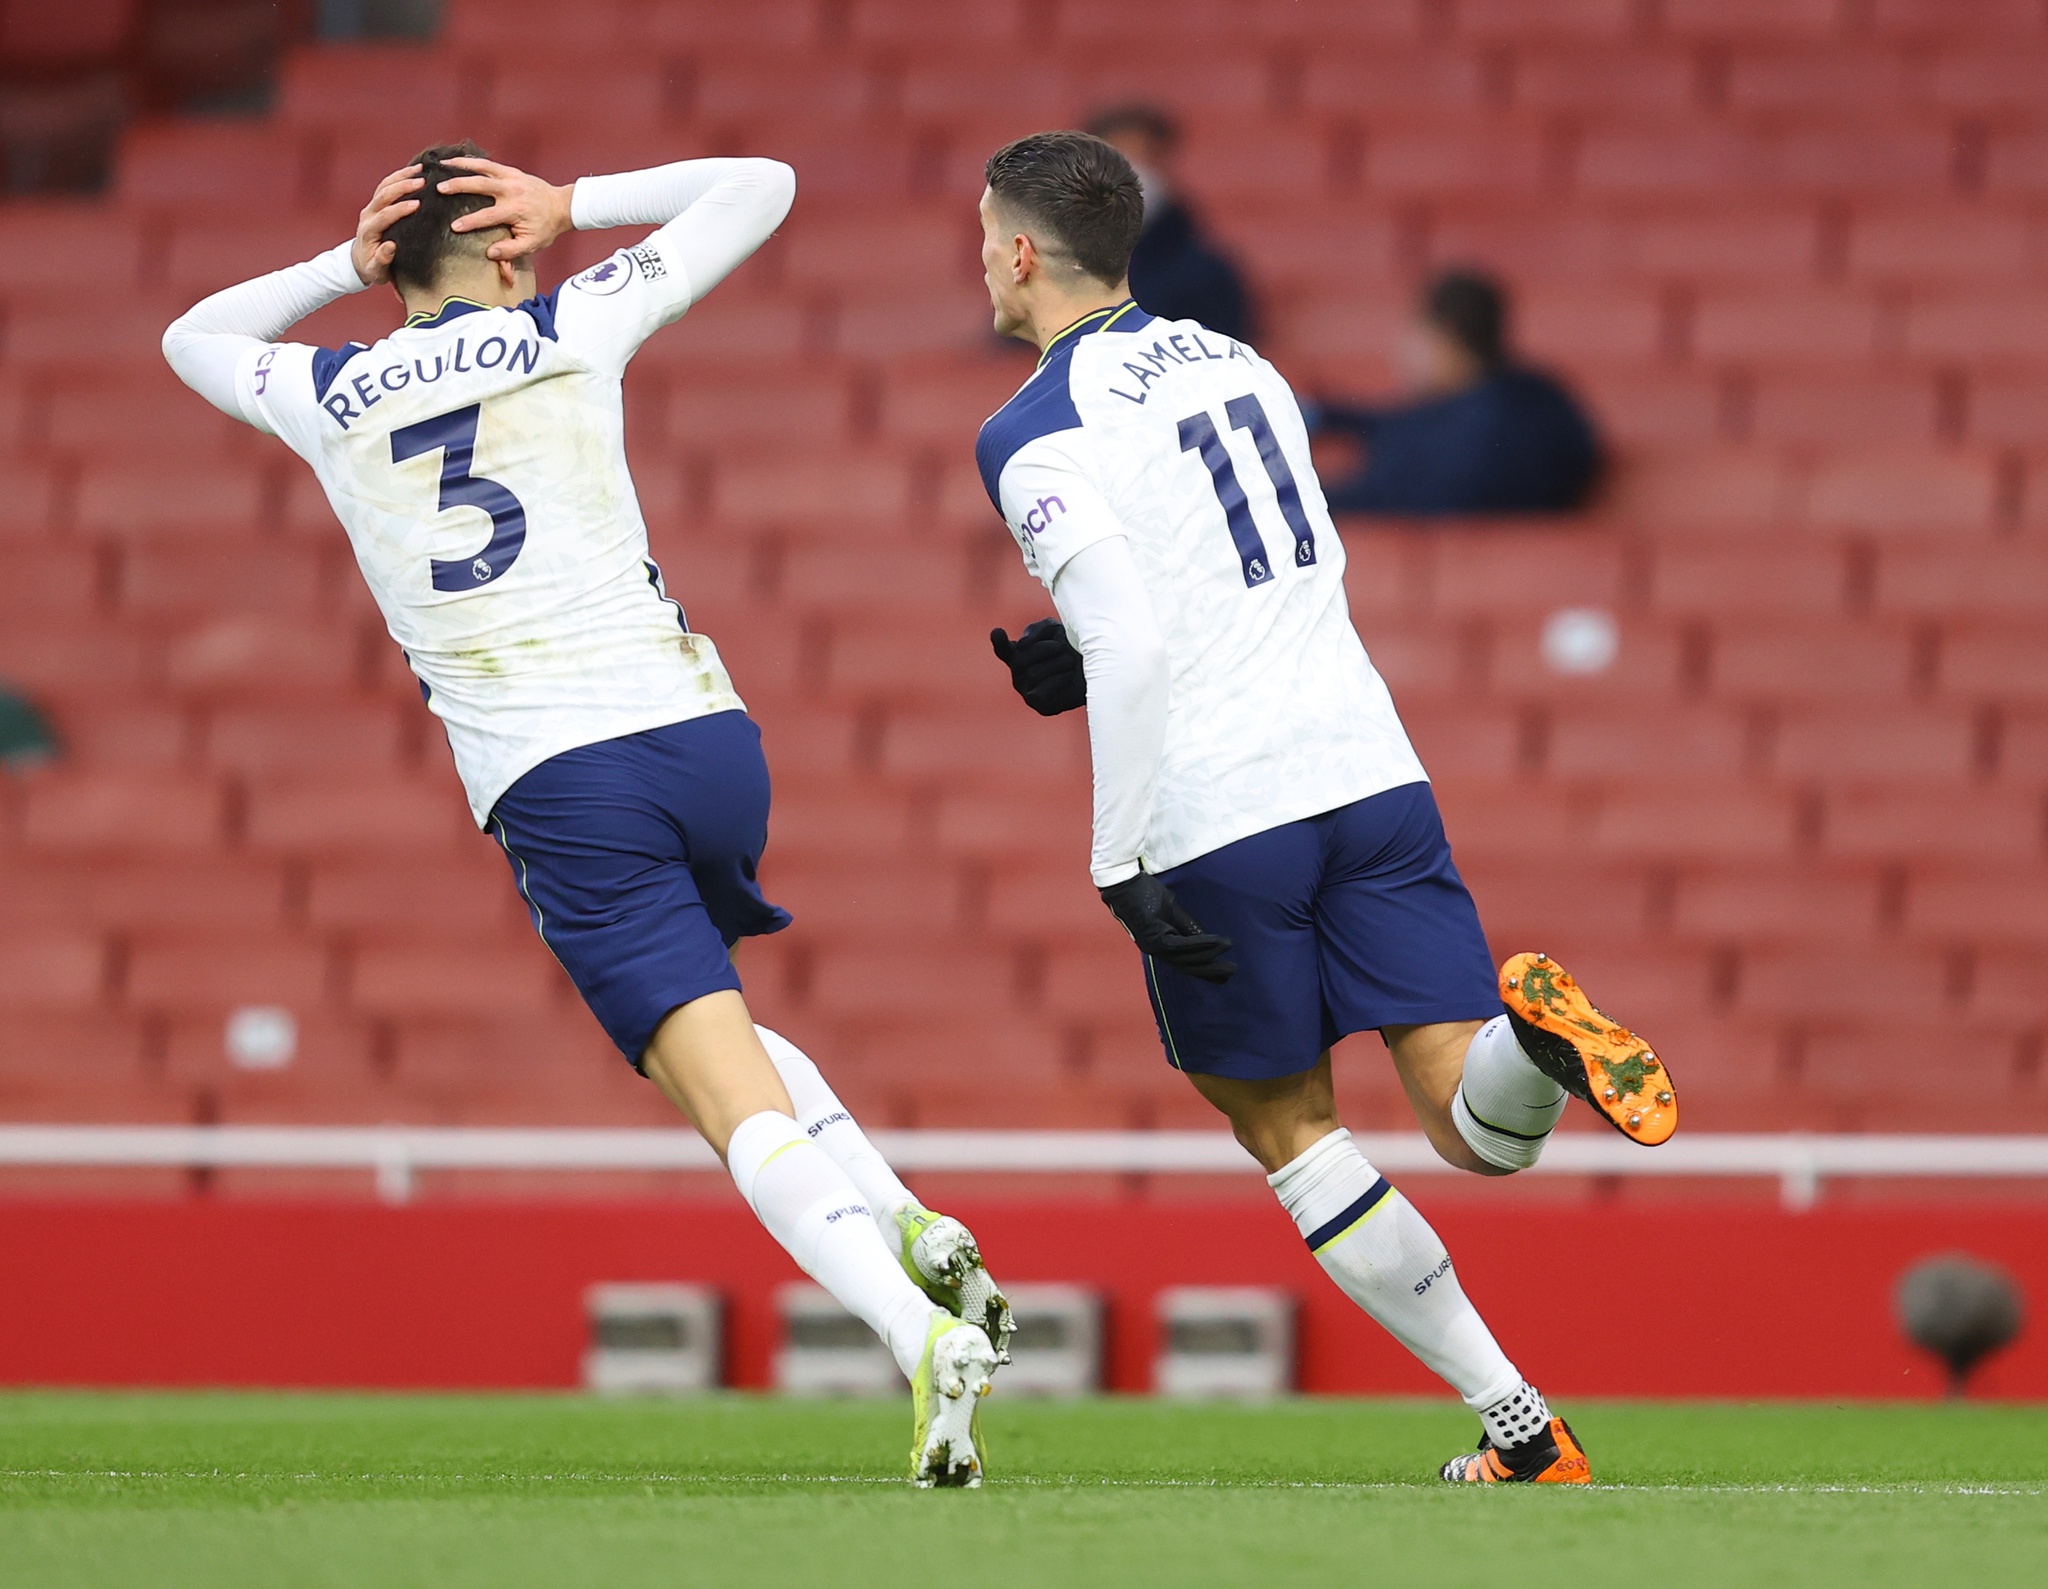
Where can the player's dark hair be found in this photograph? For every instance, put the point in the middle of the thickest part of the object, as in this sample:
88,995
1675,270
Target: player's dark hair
1136,116
425,244
1079,191
1473,309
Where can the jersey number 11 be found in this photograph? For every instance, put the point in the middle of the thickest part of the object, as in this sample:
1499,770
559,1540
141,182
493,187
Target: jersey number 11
1198,434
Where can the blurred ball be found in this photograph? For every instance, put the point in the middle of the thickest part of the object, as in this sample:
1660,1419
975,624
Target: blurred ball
1580,640
1959,1308
262,1037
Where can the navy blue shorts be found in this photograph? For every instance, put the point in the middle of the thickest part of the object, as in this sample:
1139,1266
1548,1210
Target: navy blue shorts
636,857
1346,922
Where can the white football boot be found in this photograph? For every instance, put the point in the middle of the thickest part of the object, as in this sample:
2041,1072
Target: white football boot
942,1256
945,1400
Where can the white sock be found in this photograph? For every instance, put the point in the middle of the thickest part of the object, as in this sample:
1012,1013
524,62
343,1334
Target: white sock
812,1208
830,1124
1505,1108
1383,1256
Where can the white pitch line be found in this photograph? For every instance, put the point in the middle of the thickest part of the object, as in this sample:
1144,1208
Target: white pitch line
1026,1481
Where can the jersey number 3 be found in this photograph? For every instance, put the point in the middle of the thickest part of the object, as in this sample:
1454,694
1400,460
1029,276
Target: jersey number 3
1198,434
453,436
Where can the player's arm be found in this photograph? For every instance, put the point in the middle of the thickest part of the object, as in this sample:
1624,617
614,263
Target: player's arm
216,345
1103,602
1106,608
709,215
1074,542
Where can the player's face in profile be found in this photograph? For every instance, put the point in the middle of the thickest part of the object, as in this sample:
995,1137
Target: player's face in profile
998,259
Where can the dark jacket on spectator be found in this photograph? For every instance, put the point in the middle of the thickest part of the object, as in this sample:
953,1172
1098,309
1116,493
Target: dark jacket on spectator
1177,275
1513,442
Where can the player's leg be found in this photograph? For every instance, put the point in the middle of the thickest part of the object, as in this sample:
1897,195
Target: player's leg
1482,1103
708,1060
615,847
1403,954
1383,1254
936,1250
1314,963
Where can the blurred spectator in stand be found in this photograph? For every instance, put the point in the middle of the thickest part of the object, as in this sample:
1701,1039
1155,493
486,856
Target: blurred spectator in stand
25,739
1481,433
1176,272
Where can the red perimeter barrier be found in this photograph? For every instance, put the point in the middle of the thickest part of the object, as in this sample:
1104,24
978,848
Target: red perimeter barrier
1736,1301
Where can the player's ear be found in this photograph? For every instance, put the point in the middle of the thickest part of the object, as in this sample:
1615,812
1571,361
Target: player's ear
508,274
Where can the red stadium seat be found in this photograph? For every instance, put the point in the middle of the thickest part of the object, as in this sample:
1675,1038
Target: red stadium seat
345,85
96,733
447,977
535,81
360,813
2010,984
1521,903
192,498
156,893
1946,244
1811,323
1597,742
1904,824
216,163
1743,578
250,657
1695,821
2006,904
2008,21
2003,662
116,814
202,974
1979,325
269,740
1019,820
894,982
52,970
1816,984
1833,78
162,578
1834,660
53,581
1845,743
1778,905
1827,412
2023,746
1459,739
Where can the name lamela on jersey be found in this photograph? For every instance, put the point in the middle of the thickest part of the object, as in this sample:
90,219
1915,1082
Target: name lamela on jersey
1168,352
513,355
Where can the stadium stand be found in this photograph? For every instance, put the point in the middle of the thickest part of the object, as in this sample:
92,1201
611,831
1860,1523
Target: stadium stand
1796,254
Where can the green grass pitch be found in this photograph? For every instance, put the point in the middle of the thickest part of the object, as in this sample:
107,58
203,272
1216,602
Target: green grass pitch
508,1491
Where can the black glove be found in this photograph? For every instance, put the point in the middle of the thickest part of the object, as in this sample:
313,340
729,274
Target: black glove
1158,925
1044,668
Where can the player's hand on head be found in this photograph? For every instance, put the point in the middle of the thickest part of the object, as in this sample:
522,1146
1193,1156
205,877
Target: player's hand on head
535,212
393,200
1044,667
1161,927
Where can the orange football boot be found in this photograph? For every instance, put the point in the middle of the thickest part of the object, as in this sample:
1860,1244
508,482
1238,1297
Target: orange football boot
1585,1053
1554,1457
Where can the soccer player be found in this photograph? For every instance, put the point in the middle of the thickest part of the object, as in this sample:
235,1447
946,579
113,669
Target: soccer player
476,458
1262,828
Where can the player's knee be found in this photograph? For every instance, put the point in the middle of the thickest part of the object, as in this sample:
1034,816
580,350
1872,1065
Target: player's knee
1449,1142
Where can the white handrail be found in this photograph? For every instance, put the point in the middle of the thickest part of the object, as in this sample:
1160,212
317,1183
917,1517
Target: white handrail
397,1154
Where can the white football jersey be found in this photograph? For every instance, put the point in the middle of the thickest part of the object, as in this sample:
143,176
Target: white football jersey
1191,447
477,460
